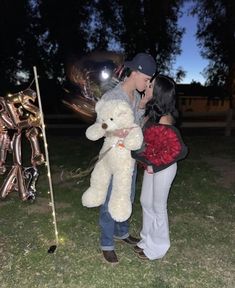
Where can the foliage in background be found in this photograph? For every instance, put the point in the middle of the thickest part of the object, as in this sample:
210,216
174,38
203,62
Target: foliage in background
216,33
46,33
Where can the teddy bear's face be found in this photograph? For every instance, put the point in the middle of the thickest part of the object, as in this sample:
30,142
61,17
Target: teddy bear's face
114,114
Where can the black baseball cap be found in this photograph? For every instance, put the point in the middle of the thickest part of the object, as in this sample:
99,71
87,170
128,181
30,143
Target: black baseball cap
144,63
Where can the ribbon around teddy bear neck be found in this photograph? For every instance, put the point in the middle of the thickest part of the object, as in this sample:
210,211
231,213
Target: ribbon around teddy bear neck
78,173
112,133
82,173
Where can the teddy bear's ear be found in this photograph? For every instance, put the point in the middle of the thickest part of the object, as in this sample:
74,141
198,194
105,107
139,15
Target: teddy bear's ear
124,109
122,113
98,105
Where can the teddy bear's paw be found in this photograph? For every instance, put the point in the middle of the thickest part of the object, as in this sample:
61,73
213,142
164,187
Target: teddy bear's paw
90,198
120,211
130,144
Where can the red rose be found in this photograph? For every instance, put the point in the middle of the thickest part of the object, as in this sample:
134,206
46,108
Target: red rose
162,144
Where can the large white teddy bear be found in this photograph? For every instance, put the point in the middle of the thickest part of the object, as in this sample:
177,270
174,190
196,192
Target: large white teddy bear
114,158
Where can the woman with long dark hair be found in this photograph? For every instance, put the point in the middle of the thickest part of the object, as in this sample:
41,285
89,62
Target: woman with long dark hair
163,147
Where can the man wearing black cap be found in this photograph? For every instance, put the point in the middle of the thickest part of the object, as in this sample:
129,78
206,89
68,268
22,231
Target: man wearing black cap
143,68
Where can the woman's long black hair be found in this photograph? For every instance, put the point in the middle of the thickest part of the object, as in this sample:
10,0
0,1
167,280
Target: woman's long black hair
163,101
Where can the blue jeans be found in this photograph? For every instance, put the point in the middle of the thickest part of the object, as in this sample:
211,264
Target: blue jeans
110,228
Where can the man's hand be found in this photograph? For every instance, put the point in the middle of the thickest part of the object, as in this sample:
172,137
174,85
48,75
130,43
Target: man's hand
148,95
121,133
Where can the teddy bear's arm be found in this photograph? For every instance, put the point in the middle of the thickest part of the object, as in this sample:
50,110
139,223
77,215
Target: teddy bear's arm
95,132
134,139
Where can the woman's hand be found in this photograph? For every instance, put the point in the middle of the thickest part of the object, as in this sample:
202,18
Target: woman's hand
149,169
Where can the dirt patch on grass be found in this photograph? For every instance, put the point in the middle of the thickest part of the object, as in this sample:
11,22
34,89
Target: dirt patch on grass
225,167
3,203
42,205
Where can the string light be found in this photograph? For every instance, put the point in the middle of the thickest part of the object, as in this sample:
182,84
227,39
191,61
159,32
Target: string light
47,164
62,240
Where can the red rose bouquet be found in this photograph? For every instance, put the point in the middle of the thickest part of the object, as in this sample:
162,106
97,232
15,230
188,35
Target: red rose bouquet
163,146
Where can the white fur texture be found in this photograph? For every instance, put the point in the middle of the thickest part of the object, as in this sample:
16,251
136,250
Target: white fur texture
117,162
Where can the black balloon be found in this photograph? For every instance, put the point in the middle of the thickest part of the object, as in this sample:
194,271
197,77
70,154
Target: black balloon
31,176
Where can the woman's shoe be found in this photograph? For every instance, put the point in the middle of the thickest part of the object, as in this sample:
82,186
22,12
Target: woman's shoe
142,256
137,249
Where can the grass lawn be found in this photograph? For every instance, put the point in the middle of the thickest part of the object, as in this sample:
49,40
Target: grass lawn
201,215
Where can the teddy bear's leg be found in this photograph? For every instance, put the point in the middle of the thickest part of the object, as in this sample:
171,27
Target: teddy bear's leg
95,195
120,206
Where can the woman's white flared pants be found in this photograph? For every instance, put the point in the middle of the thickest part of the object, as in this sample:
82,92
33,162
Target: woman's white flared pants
155,238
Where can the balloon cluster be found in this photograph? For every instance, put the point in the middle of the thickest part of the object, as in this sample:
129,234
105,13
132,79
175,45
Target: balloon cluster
19,115
90,77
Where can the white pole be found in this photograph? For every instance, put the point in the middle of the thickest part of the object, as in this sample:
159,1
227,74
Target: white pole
47,161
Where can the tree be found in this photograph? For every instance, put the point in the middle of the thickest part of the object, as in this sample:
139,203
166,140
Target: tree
216,33
23,44
180,74
143,25
130,26
13,36
46,33
158,32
